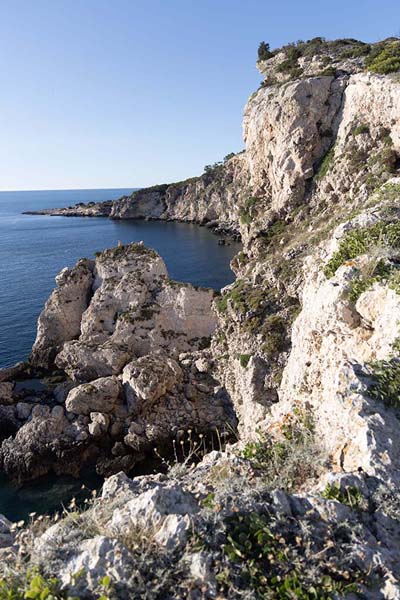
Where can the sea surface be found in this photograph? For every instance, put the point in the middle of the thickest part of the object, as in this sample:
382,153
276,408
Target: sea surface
33,249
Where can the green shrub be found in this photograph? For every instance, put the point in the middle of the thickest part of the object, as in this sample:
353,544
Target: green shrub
379,272
273,231
384,58
266,553
326,164
360,129
350,495
244,298
33,585
290,65
360,241
246,213
291,460
328,72
264,52
244,359
359,49
385,386
274,332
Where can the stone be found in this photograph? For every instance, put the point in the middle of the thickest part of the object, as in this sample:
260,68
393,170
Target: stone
173,532
95,558
162,511
150,377
202,365
23,410
6,390
99,424
60,320
101,395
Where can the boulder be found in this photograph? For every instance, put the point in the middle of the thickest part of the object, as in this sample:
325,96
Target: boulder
101,395
163,513
6,389
150,377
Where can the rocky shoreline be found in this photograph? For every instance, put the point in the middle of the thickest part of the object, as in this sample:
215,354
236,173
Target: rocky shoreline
293,369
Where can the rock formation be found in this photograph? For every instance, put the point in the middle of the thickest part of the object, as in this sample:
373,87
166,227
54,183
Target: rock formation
129,339
304,354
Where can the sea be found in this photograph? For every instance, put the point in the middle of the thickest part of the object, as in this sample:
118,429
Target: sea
33,249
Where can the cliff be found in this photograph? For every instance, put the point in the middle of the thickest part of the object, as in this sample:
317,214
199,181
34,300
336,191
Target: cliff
302,368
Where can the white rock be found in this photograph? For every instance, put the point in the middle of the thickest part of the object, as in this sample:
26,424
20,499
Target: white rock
101,395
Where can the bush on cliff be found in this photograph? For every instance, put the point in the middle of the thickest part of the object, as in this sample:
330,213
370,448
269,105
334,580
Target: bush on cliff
384,57
360,241
264,52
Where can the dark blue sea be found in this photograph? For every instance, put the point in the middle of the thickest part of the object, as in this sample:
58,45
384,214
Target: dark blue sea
33,249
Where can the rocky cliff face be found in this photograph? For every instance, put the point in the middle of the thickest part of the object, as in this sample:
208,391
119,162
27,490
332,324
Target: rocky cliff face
304,350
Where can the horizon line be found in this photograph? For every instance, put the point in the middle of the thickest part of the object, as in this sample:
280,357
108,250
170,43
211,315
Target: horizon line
128,187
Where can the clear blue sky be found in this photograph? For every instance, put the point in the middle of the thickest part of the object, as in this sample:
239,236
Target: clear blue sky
115,93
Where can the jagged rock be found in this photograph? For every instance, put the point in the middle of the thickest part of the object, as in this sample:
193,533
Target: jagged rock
95,559
60,320
150,377
11,373
85,362
275,119
46,442
135,310
99,424
23,410
7,537
8,421
6,390
162,512
101,395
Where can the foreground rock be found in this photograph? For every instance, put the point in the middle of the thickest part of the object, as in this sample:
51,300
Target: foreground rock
217,530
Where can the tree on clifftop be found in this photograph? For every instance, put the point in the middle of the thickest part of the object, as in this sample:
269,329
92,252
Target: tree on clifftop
264,52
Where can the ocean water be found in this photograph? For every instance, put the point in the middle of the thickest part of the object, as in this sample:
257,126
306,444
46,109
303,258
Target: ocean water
33,249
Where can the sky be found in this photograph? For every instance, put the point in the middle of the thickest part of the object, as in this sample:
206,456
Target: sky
121,93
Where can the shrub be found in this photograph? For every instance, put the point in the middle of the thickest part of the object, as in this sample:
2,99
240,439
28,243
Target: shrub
385,385
32,585
266,553
246,213
328,72
384,58
290,461
264,52
360,129
273,231
350,495
359,241
244,359
326,163
274,332
377,272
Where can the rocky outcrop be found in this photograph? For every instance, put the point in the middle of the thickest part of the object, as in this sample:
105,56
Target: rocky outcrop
212,199
125,335
61,319
91,209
